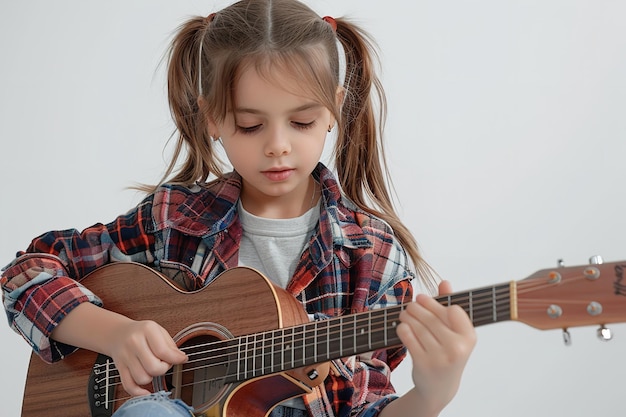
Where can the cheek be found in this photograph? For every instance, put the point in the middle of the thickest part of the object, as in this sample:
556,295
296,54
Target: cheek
240,154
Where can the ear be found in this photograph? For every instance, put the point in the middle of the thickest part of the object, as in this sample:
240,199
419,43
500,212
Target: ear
211,125
339,97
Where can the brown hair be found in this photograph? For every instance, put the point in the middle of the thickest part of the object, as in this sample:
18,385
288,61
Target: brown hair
208,54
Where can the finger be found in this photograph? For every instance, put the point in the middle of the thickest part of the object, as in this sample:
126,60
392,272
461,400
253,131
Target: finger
433,306
455,319
427,327
129,384
442,321
144,367
460,322
445,287
165,349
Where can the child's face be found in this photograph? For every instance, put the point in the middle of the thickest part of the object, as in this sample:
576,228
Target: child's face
274,139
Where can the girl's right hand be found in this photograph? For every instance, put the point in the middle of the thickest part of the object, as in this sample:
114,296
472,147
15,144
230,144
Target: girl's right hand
142,350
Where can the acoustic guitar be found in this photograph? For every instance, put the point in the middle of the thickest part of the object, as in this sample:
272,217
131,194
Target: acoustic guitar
243,365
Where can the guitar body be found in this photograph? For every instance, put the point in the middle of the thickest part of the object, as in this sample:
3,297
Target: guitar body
239,302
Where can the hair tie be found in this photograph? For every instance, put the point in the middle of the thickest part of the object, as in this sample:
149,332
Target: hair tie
331,21
209,18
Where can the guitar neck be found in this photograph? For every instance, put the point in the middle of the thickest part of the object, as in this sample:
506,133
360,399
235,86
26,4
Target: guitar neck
320,341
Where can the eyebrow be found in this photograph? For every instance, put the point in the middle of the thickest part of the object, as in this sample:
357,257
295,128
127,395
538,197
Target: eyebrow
304,107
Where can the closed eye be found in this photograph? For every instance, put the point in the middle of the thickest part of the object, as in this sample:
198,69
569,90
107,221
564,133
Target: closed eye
303,126
248,129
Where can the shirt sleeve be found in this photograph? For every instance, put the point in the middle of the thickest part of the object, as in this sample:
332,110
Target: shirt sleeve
41,285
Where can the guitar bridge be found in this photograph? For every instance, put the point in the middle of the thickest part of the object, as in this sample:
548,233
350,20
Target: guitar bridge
101,387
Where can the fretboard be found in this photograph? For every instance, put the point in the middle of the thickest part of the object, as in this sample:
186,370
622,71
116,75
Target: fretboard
279,350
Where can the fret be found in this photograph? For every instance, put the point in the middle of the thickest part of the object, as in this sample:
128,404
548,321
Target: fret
315,342
239,359
245,357
298,347
354,332
327,340
340,336
266,353
281,351
273,352
369,328
379,329
348,335
385,326
495,304
287,347
322,340
252,356
232,355
362,333
309,345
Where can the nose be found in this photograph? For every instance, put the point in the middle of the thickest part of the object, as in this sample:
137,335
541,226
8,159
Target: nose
277,142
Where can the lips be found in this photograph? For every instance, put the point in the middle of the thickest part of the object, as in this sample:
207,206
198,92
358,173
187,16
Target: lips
278,174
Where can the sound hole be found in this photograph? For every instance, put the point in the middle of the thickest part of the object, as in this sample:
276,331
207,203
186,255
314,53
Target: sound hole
203,381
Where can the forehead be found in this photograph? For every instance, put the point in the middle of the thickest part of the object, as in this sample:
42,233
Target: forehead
270,89
305,74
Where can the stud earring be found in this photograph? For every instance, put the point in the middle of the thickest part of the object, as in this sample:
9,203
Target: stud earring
330,128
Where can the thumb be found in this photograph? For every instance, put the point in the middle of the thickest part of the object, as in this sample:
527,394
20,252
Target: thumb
445,287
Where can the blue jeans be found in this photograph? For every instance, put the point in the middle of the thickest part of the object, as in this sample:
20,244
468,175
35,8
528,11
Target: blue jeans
158,404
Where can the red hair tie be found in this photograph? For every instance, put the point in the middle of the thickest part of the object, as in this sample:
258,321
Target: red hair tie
209,18
331,21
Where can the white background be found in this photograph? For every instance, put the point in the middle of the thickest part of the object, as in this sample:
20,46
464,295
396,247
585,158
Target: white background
506,137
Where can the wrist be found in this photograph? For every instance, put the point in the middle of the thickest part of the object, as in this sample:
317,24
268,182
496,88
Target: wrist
90,327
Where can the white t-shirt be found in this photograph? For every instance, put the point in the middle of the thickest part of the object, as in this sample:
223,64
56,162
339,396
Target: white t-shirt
273,247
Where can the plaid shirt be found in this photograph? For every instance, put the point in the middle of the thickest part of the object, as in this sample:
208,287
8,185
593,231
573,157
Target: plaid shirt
352,264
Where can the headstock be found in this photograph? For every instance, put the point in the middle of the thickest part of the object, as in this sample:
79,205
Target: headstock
572,296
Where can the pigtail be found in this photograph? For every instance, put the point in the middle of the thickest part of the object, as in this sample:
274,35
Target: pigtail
359,151
183,84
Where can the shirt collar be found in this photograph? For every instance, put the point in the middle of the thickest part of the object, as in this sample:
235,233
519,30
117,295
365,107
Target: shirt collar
210,208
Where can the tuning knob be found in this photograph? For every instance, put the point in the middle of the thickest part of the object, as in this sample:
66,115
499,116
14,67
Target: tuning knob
604,334
567,338
596,260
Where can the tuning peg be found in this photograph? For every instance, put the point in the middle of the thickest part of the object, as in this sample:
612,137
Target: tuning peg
604,334
560,263
567,338
596,260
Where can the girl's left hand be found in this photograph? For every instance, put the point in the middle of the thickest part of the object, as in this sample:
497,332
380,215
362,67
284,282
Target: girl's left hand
440,340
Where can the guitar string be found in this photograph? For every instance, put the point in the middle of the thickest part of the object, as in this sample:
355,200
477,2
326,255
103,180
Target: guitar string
522,287
292,334
332,329
484,294
472,297
256,340
253,358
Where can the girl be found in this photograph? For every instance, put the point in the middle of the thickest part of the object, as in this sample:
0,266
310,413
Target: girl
263,80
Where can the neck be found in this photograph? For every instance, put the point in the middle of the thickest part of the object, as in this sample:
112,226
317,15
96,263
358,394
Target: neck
286,206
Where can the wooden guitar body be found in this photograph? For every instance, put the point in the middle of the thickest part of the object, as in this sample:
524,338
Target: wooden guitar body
239,302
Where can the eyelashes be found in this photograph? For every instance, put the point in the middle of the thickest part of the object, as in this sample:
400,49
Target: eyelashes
248,130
